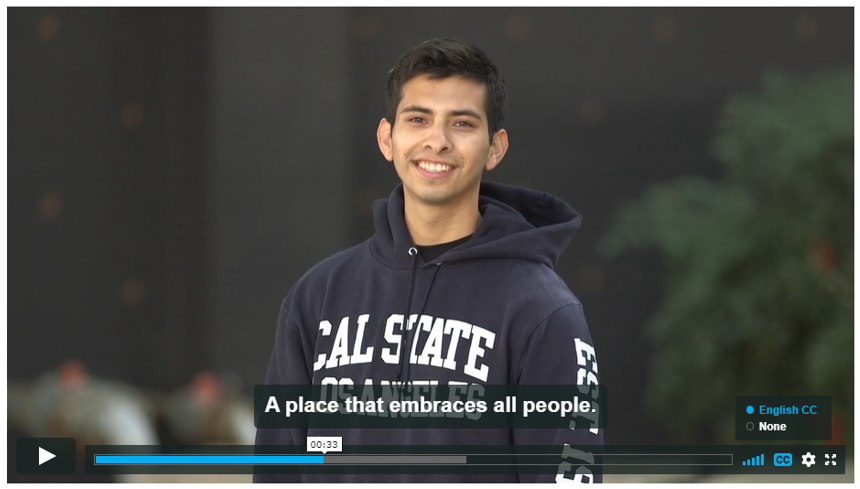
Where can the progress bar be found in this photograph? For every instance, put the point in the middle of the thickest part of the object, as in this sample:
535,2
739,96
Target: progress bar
485,459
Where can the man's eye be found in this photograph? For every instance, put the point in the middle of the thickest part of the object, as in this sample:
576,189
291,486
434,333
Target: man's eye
416,119
463,124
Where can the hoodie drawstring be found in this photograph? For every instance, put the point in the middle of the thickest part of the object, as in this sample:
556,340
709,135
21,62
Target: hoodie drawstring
406,337
413,252
418,318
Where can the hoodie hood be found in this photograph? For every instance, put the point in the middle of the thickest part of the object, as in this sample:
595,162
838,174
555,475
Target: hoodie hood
517,223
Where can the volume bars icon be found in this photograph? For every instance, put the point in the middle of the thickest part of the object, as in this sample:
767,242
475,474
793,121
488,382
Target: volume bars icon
755,460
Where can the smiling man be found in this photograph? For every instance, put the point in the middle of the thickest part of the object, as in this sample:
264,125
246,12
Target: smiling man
456,287
444,140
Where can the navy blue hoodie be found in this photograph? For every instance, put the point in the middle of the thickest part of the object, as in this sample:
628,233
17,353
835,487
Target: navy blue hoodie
491,310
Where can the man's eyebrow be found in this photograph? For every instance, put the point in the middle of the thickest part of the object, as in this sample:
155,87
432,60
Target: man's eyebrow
453,113
417,108
466,112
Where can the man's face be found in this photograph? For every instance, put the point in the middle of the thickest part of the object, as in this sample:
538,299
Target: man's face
440,141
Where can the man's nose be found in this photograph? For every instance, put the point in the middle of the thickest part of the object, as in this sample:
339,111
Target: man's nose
437,139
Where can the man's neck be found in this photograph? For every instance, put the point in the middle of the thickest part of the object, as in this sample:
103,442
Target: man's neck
431,225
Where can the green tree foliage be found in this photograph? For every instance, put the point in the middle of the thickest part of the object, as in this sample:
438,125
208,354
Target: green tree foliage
759,296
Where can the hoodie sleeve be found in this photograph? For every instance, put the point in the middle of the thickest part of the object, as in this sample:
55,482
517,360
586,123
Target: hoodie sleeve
560,352
287,366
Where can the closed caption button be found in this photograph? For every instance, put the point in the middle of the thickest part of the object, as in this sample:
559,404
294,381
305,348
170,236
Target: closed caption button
782,459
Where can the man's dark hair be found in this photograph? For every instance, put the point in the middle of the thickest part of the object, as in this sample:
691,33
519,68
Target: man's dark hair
441,58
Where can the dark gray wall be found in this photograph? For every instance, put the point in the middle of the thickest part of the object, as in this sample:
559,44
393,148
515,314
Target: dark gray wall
105,123
279,180
172,172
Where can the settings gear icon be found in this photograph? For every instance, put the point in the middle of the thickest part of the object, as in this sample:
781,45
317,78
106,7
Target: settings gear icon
808,459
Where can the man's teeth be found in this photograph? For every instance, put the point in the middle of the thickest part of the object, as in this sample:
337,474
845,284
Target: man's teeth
433,167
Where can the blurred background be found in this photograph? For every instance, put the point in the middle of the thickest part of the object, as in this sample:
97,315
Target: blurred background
173,172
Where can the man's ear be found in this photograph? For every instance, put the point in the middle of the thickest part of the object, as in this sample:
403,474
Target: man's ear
498,148
383,137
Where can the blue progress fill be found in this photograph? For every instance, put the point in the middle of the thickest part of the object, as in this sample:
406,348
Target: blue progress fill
208,459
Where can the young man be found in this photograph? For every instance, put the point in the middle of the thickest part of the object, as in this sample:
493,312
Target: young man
456,286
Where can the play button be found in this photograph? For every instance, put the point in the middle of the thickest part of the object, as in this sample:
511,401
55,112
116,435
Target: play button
45,455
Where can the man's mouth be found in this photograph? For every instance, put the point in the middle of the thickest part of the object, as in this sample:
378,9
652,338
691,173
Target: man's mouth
433,167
